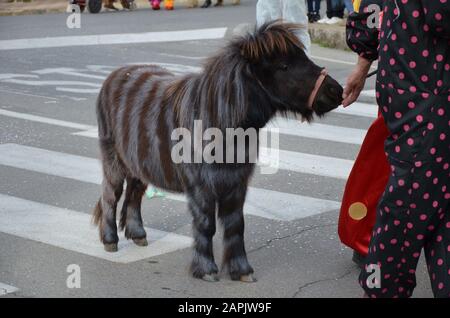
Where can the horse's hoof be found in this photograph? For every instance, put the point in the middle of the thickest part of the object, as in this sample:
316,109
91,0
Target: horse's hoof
111,247
211,278
248,278
141,242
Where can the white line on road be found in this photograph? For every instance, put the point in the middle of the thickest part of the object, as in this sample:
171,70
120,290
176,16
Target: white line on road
74,231
318,131
50,83
67,71
307,163
8,91
108,39
7,289
261,202
327,59
45,120
78,90
359,109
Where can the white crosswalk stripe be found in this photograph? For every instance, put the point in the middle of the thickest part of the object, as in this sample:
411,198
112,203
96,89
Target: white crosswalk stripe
7,289
74,231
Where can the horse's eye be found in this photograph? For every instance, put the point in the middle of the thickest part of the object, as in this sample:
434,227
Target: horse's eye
284,67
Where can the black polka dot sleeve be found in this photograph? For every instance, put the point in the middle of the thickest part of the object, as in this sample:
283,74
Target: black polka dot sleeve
363,37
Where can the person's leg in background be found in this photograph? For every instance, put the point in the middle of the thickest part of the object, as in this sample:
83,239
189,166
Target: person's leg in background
349,6
337,11
313,10
328,14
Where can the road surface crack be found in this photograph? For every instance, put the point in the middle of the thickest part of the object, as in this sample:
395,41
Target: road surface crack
301,288
270,241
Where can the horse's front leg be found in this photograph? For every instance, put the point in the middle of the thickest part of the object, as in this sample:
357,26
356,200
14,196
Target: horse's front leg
203,209
231,214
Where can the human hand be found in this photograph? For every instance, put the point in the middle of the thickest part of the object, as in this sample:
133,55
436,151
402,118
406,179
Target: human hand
355,82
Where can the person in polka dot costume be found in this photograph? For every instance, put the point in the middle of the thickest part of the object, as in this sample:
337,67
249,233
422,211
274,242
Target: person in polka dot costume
412,45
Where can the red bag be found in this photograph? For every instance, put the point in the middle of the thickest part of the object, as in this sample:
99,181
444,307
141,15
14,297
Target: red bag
364,188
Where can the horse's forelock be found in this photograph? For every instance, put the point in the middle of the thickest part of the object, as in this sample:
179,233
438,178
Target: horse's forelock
270,40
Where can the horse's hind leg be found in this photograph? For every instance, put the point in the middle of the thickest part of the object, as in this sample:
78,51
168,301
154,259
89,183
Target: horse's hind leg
112,188
231,215
203,210
131,218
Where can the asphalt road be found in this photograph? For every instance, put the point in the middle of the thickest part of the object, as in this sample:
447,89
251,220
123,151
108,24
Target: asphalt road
49,174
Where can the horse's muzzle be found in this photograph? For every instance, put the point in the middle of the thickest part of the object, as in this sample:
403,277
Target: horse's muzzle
328,97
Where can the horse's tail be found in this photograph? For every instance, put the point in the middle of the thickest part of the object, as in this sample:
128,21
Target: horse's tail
98,212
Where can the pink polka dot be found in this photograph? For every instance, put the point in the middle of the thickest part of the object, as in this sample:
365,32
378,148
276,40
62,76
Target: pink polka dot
442,136
440,261
410,141
438,16
440,112
419,118
425,53
401,51
413,39
420,237
439,57
423,217
441,286
398,115
412,64
415,13
392,61
412,89
424,78
411,105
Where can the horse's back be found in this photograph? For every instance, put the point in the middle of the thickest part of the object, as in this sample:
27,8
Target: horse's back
132,117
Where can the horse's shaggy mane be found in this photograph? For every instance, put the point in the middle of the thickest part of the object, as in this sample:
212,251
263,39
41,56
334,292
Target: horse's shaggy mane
219,95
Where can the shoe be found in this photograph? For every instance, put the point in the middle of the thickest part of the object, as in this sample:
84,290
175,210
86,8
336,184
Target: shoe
334,20
155,4
323,20
168,4
316,17
358,259
311,17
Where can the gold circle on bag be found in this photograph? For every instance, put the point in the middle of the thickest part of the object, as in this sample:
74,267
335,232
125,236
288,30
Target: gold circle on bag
357,211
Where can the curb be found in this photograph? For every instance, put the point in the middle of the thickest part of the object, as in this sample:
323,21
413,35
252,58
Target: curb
332,36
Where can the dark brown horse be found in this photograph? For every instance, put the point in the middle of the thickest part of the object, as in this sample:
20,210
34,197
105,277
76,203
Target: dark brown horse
245,85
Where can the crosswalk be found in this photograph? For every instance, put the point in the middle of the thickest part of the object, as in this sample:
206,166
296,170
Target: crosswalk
7,289
72,230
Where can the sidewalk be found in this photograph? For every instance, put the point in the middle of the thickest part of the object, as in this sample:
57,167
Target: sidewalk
20,7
